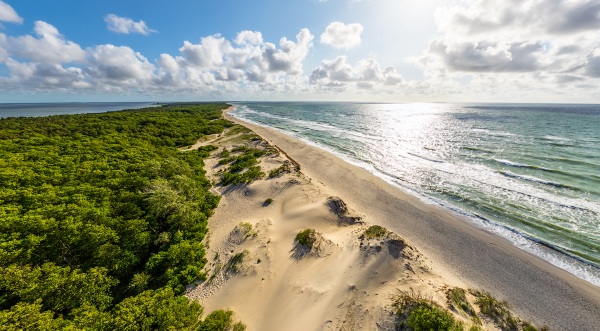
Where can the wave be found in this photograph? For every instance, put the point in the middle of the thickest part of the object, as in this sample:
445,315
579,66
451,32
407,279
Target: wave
540,198
522,165
556,255
476,149
311,125
494,133
486,183
554,247
572,174
566,160
550,137
535,180
425,158
531,196
559,144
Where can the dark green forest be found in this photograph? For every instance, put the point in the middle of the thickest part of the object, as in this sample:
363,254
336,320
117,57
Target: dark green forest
102,218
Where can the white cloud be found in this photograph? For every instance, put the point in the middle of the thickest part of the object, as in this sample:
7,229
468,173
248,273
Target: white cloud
513,48
8,14
169,70
126,25
592,65
342,36
118,65
338,74
209,53
489,56
249,38
3,47
525,17
251,59
290,55
44,75
49,46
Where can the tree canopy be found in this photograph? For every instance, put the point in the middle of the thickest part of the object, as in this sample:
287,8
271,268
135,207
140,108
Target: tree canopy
102,218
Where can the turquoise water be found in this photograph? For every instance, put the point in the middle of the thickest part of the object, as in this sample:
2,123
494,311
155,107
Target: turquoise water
529,172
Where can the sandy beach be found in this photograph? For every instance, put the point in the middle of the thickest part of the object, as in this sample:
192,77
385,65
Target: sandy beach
346,283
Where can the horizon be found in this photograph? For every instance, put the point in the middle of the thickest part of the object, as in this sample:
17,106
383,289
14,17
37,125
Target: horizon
381,51
298,101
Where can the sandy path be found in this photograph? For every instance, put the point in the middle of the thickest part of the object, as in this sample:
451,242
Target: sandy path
538,291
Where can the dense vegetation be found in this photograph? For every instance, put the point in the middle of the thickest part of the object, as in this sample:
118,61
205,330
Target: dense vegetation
102,218
243,165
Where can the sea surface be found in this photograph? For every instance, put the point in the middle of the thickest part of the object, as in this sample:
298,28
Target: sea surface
48,109
528,172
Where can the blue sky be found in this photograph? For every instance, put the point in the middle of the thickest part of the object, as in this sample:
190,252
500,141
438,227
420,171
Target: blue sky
338,50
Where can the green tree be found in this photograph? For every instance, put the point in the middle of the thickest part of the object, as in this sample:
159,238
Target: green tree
156,310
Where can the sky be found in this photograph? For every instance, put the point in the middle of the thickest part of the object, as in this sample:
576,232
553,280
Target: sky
300,50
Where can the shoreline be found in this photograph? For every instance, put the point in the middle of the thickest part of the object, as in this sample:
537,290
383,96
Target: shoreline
538,290
547,251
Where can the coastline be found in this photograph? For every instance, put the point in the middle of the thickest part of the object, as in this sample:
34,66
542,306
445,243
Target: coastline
538,290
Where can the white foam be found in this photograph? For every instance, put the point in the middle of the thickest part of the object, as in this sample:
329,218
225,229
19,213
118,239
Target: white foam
471,172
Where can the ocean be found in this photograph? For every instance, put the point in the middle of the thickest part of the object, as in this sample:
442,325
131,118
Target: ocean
48,109
527,172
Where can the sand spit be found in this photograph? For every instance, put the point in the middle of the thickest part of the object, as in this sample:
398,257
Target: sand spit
346,280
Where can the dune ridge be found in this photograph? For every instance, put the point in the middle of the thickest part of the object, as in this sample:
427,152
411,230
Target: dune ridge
346,281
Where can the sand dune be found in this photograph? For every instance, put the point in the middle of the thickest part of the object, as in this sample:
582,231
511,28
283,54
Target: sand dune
345,281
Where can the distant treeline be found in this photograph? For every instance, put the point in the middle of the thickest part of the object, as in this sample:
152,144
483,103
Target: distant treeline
102,218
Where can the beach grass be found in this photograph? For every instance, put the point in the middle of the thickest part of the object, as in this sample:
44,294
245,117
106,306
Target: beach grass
242,164
307,237
499,313
284,168
457,298
375,231
416,312
234,265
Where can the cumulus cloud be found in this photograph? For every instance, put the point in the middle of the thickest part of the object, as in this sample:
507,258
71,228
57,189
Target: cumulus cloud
45,75
126,25
510,43
527,16
3,47
342,36
118,64
366,74
38,62
244,65
250,57
489,56
249,38
49,46
8,14
592,65
214,65
288,58
218,64
577,16
209,53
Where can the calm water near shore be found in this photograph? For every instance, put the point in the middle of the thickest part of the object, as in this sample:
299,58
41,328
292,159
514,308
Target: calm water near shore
529,172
